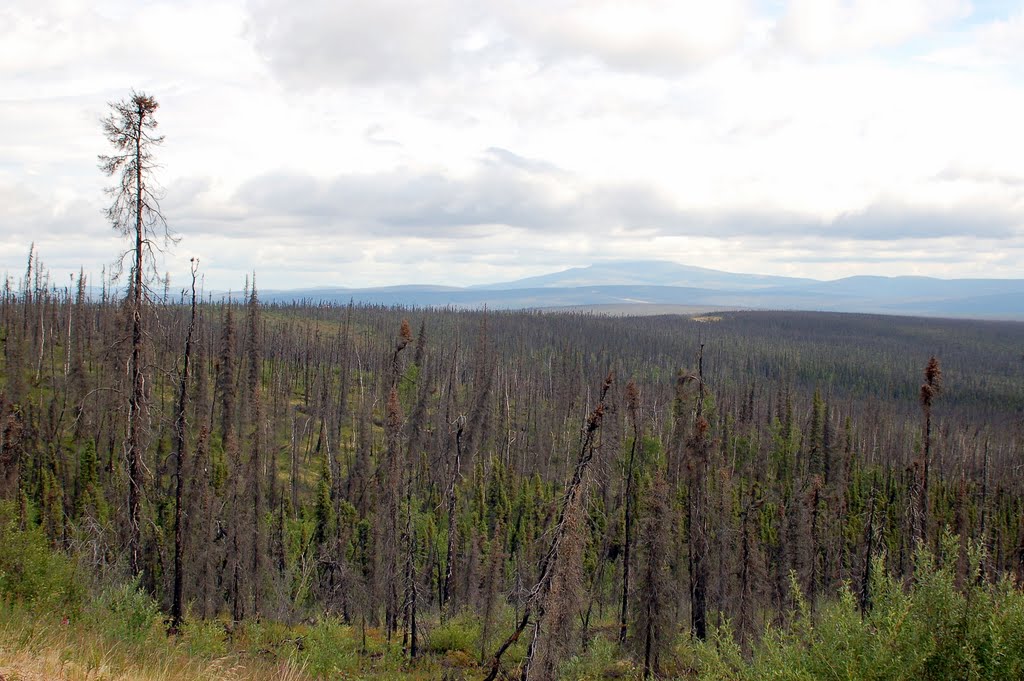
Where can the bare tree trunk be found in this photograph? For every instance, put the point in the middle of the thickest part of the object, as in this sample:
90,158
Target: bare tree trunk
179,447
137,397
930,389
865,581
446,590
697,511
631,399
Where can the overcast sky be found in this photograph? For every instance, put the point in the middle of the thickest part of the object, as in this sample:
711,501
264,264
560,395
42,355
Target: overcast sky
374,142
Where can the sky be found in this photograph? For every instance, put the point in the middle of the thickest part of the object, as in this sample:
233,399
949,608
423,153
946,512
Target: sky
457,142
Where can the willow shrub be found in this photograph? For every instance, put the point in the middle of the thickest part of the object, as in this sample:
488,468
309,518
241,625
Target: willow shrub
930,629
31,572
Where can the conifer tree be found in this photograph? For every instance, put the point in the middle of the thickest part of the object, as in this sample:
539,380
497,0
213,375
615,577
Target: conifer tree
653,621
181,458
135,213
633,405
930,389
698,450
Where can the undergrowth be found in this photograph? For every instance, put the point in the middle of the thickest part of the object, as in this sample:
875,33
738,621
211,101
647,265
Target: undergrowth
934,626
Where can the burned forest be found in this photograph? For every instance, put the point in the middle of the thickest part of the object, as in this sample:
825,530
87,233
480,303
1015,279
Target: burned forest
541,484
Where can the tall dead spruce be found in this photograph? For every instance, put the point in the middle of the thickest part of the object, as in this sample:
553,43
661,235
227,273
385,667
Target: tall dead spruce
930,389
135,213
180,456
698,447
633,403
536,601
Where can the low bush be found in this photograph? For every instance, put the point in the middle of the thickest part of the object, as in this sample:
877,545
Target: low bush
127,613
460,633
204,638
930,630
31,571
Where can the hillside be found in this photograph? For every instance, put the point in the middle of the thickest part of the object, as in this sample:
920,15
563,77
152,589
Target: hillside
657,283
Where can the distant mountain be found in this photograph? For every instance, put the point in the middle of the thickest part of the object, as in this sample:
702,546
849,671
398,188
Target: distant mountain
648,273
632,286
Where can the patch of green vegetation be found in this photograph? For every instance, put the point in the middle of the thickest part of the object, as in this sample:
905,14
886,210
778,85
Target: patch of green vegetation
126,613
30,571
460,633
928,630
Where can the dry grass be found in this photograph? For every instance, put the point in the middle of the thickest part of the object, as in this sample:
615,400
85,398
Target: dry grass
37,649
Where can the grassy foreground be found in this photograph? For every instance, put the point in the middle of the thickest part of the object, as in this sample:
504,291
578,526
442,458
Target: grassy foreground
949,622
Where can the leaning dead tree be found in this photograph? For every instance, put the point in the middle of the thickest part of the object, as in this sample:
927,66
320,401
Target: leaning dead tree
537,599
135,213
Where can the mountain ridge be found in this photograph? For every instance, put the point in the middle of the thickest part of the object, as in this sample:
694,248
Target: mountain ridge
658,282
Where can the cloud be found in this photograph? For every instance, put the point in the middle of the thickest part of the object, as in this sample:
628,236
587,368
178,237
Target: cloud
657,36
506,190
890,219
27,214
820,28
984,176
313,43
882,220
322,43
1003,38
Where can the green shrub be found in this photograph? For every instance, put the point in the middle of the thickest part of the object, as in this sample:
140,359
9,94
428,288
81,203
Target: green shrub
127,613
460,633
31,571
930,630
204,638
328,650
601,660
261,637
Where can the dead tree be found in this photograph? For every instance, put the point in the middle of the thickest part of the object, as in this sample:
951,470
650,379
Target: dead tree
930,389
180,454
135,213
698,447
632,401
536,599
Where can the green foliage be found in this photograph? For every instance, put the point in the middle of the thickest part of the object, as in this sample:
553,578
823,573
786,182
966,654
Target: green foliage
601,660
31,571
218,466
930,630
323,512
264,637
332,650
126,613
204,638
51,511
497,503
324,651
461,633
89,497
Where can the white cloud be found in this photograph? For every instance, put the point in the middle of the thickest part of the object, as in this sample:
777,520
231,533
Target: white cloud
826,27
660,36
319,44
1003,38
322,41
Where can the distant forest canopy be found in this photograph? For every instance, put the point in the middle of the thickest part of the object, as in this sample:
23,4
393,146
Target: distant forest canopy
397,467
